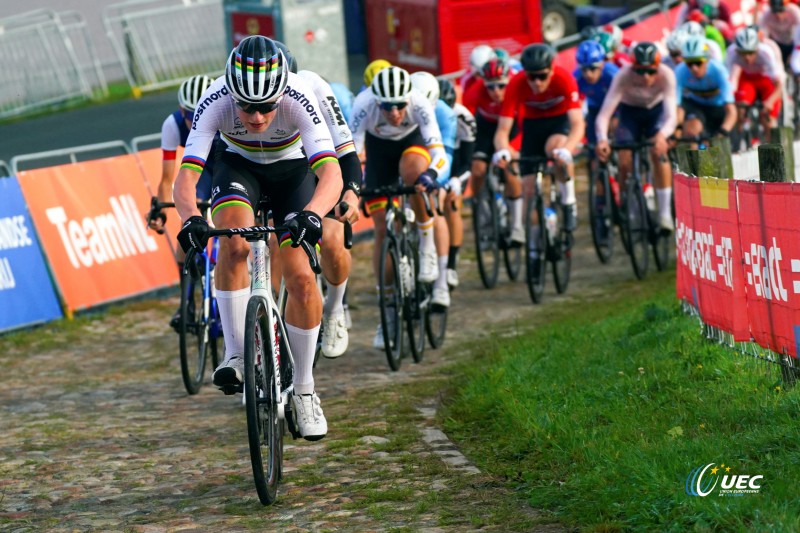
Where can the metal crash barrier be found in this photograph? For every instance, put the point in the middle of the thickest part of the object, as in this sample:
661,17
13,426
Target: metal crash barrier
161,42
59,46
53,157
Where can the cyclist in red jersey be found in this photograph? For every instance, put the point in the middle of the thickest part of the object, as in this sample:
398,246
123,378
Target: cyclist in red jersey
484,99
546,95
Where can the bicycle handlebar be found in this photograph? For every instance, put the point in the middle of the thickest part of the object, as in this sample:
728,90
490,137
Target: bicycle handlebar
156,207
396,190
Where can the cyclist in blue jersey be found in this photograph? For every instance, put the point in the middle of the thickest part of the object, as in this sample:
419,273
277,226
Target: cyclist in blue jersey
460,170
594,75
426,83
174,132
705,95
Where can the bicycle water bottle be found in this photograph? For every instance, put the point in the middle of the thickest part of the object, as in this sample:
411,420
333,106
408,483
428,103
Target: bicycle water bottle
502,208
551,221
406,273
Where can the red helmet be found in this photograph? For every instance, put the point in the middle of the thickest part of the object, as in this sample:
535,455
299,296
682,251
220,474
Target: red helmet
697,16
495,69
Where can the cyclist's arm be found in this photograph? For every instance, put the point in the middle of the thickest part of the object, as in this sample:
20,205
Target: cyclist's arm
729,122
610,103
170,140
502,133
423,114
184,192
736,73
670,104
577,129
329,187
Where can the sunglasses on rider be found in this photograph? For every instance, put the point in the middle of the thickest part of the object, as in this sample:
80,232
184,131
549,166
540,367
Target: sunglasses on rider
745,52
645,71
496,85
590,68
695,63
538,76
389,106
257,108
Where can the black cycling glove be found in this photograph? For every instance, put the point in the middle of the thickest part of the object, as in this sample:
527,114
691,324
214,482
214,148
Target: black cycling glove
194,234
305,226
428,180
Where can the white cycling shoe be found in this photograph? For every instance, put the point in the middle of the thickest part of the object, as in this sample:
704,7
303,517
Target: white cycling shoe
309,416
335,337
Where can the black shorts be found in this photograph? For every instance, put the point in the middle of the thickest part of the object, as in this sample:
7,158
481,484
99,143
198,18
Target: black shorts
383,157
535,132
712,116
484,138
287,185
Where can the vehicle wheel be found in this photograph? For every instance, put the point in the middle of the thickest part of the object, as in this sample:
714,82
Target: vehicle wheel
535,245
558,21
193,333
600,209
265,428
486,226
390,301
636,227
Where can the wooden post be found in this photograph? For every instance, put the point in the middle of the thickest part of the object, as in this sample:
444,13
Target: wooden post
702,163
771,163
725,160
785,137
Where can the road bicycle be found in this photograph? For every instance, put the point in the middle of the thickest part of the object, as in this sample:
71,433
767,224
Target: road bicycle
604,207
640,225
199,326
750,130
546,238
268,363
492,228
402,299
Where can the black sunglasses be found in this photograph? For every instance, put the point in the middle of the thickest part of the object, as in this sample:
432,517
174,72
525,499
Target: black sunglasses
643,71
697,63
590,68
388,106
256,108
496,85
540,76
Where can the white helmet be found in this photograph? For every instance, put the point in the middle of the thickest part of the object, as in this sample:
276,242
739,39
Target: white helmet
479,56
693,28
694,47
746,39
257,71
427,84
675,40
191,90
391,85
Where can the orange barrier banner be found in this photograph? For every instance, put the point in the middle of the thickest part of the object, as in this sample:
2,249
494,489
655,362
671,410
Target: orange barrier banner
89,217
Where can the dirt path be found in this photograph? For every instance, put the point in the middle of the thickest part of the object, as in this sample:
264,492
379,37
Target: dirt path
98,434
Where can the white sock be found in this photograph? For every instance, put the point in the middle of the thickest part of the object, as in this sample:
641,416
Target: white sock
567,190
441,281
426,235
515,208
333,300
303,343
232,311
664,199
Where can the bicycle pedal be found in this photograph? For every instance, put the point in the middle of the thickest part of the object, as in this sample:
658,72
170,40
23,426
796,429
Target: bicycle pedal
230,389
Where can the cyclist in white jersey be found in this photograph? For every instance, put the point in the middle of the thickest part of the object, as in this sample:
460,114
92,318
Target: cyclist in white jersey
778,22
395,130
267,116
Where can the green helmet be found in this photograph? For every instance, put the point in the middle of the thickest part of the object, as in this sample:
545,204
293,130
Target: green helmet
606,40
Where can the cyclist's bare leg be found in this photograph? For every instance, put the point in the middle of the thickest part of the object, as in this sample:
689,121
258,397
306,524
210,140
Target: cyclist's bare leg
231,278
478,175
565,172
441,237
411,166
455,227
662,181
336,258
379,223
625,165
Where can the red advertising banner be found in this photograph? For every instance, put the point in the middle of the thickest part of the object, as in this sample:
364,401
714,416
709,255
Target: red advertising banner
89,217
770,242
710,273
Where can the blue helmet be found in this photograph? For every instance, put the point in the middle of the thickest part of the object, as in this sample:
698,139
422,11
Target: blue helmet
589,53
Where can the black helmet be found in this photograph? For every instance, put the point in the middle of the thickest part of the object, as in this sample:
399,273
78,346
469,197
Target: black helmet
257,71
589,33
290,60
447,91
646,54
538,56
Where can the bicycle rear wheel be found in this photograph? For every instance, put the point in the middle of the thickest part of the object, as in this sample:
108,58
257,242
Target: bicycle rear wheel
561,259
265,426
485,223
600,215
535,247
636,227
390,301
193,333
416,301
512,257
436,325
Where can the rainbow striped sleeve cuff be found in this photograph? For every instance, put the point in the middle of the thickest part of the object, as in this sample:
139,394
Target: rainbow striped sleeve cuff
193,163
320,158
229,200
345,148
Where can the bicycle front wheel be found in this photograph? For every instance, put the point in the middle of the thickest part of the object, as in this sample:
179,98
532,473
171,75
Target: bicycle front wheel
535,247
390,301
265,427
436,325
636,227
416,300
486,226
193,333
562,260
600,209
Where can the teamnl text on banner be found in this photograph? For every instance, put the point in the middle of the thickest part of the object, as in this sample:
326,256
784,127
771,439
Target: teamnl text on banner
27,296
89,217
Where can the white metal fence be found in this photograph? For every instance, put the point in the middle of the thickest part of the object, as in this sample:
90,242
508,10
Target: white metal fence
161,42
46,58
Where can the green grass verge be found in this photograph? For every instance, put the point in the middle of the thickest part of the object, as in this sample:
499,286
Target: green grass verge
598,417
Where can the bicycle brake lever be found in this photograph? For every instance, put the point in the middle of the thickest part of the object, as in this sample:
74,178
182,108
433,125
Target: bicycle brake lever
311,252
348,228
